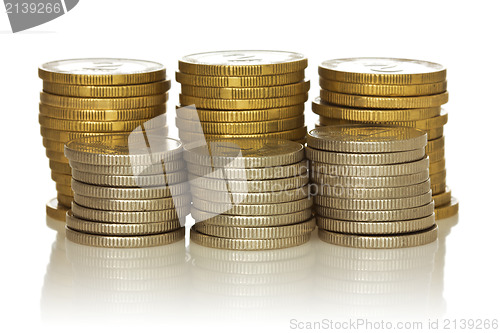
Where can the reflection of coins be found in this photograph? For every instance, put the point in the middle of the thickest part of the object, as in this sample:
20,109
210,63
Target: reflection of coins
380,242
447,210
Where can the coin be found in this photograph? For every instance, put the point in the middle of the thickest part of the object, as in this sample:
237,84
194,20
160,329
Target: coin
434,133
247,244
285,171
129,217
286,231
64,200
61,178
136,205
370,193
100,126
53,145
447,210
251,198
229,208
369,115
55,210
123,150
365,139
65,136
377,215
130,181
373,204
242,104
252,186
101,115
434,145
60,167
382,71
375,228
240,81
129,193
103,103
442,199
438,188
329,157
294,134
439,177
370,170
383,89
370,182
64,190
131,170
245,153
120,229
56,156
124,241
134,90
380,242
436,156
251,221
240,128
242,63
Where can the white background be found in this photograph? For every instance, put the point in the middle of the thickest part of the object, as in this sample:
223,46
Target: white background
463,36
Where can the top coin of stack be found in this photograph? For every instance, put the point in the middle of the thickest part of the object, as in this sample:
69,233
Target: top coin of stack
372,185
242,94
88,97
390,91
249,194
128,191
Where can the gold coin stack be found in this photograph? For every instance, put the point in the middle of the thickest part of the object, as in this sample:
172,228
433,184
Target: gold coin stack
249,194
371,186
389,91
129,191
88,97
242,94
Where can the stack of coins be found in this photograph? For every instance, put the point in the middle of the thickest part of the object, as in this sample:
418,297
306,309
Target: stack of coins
371,186
88,97
242,94
127,192
249,194
392,92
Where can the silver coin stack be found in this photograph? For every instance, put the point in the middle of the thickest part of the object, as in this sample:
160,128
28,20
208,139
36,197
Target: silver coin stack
129,191
371,186
249,194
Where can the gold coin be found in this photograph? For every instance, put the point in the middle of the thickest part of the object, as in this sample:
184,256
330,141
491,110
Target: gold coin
250,198
434,133
383,89
245,153
364,159
370,182
373,204
436,156
376,215
370,170
242,63
130,181
285,171
129,217
380,242
64,200
369,115
375,228
252,186
124,241
55,210
100,126
371,193
123,150
102,115
415,102
382,71
56,156
251,221
103,103
134,90
365,139
434,145
439,177
131,170
120,229
242,104
61,178
447,210
240,128
64,136
294,134
59,167
64,190
438,188
129,193
285,231
442,199
228,208
136,205
239,81
246,244
102,71
247,93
